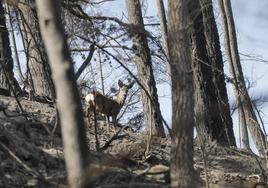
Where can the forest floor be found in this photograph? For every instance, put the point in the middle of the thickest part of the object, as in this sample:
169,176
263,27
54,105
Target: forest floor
31,155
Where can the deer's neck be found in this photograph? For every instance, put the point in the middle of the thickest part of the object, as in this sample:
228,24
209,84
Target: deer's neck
121,97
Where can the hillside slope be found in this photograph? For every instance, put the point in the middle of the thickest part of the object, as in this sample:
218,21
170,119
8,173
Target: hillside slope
31,155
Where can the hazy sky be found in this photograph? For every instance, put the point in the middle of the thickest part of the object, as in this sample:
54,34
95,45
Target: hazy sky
251,19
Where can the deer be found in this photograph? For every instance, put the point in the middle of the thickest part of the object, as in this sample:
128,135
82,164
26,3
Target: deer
107,106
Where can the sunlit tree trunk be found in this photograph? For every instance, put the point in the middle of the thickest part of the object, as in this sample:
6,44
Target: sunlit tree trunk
243,127
238,77
152,113
68,100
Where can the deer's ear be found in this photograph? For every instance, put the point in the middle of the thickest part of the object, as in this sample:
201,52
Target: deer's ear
131,84
120,83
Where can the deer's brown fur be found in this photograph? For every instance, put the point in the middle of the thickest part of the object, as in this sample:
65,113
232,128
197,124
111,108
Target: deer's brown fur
106,105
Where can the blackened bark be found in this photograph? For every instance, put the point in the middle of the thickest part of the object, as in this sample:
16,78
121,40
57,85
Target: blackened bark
145,71
216,63
38,63
164,32
12,32
7,78
209,122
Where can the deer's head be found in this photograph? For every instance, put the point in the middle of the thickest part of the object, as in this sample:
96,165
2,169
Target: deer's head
123,91
107,105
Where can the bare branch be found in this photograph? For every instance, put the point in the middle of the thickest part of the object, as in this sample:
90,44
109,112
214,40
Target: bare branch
132,75
86,62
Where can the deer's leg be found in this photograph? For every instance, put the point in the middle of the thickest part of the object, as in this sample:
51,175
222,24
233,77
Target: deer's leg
107,119
107,123
114,121
87,112
95,129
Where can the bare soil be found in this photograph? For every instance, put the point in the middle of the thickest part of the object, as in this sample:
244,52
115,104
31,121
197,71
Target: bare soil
31,155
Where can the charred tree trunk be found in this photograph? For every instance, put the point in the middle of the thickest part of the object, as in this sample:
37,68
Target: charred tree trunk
243,128
12,32
216,63
181,164
164,32
238,77
144,65
38,63
68,100
209,123
7,78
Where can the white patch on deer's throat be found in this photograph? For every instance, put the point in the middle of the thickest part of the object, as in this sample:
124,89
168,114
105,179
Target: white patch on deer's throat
89,97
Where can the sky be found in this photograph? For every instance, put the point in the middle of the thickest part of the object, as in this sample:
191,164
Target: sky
251,19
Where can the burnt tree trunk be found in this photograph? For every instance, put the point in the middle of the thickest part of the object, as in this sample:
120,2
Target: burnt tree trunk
37,58
12,32
238,76
152,113
68,100
181,164
216,62
164,32
7,78
243,128
209,123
